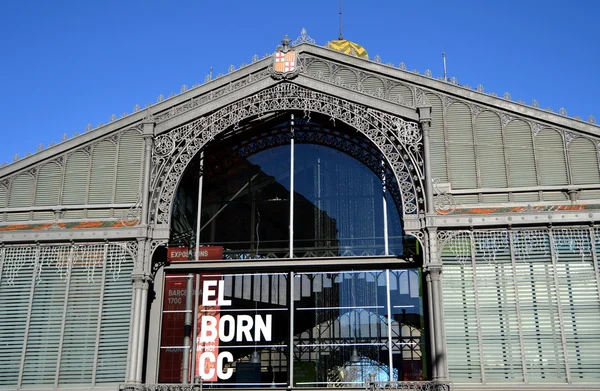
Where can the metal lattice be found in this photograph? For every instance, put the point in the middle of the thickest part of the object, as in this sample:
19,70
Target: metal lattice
399,141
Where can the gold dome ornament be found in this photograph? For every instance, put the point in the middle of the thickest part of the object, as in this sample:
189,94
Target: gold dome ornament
348,47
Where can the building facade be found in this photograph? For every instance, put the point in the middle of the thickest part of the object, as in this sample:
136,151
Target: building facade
313,219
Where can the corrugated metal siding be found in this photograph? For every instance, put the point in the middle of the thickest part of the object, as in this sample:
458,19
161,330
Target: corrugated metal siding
404,93
461,148
47,289
439,167
583,157
554,196
3,200
47,191
21,196
15,291
516,313
461,316
116,312
46,317
490,150
374,86
319,69
525,197
500,332
549,149
578,292
102,177
76,182
467,199
583,195
519,149
494,198
346,77
129,167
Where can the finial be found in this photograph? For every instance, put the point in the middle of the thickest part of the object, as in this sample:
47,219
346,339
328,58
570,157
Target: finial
341,37
285,42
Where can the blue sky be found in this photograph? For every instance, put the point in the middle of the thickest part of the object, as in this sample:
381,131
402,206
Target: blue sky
68,63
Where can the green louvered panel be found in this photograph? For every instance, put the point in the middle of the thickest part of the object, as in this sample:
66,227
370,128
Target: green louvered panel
346,77
402,93
500,334
490,149
549,149
554,196
494,198
15,287
47,190
3,200
79,342
460,316
583,157
525,197
21,196
102,178
467,199
373,86
544,355
519,149
439,167
129,167
461,148
76,183
580,302
319,69
116,314
46,317
583,195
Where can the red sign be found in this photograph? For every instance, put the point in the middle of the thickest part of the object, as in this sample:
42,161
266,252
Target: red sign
171,353
183,254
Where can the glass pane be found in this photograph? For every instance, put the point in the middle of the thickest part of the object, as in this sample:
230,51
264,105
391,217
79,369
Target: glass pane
246,206
338,206
408,324
340,328
242,332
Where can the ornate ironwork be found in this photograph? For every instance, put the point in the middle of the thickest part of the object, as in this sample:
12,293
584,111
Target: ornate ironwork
398,140
303,38
408,385
443,203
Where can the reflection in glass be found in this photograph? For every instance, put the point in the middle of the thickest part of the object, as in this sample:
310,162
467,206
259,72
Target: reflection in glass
342,327
338,197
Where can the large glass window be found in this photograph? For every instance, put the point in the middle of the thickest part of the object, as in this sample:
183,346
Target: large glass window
309,329
342,190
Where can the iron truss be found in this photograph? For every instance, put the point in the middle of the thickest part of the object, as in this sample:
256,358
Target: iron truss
399,141
408,385
392,385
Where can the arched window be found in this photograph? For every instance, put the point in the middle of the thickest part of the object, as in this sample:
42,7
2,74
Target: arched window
344,200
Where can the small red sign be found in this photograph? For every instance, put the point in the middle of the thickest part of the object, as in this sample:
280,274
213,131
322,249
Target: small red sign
183,254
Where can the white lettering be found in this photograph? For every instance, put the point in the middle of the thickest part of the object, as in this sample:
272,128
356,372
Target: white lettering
210,356
222,300
244,327
227,374
207,291
228,322
208,329
260,326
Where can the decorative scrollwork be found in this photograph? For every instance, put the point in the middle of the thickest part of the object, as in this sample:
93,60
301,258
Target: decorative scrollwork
132,216
408,385
443,203
398,140
303,38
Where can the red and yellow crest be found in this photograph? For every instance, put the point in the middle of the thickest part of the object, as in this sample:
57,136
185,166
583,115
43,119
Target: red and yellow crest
285,62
